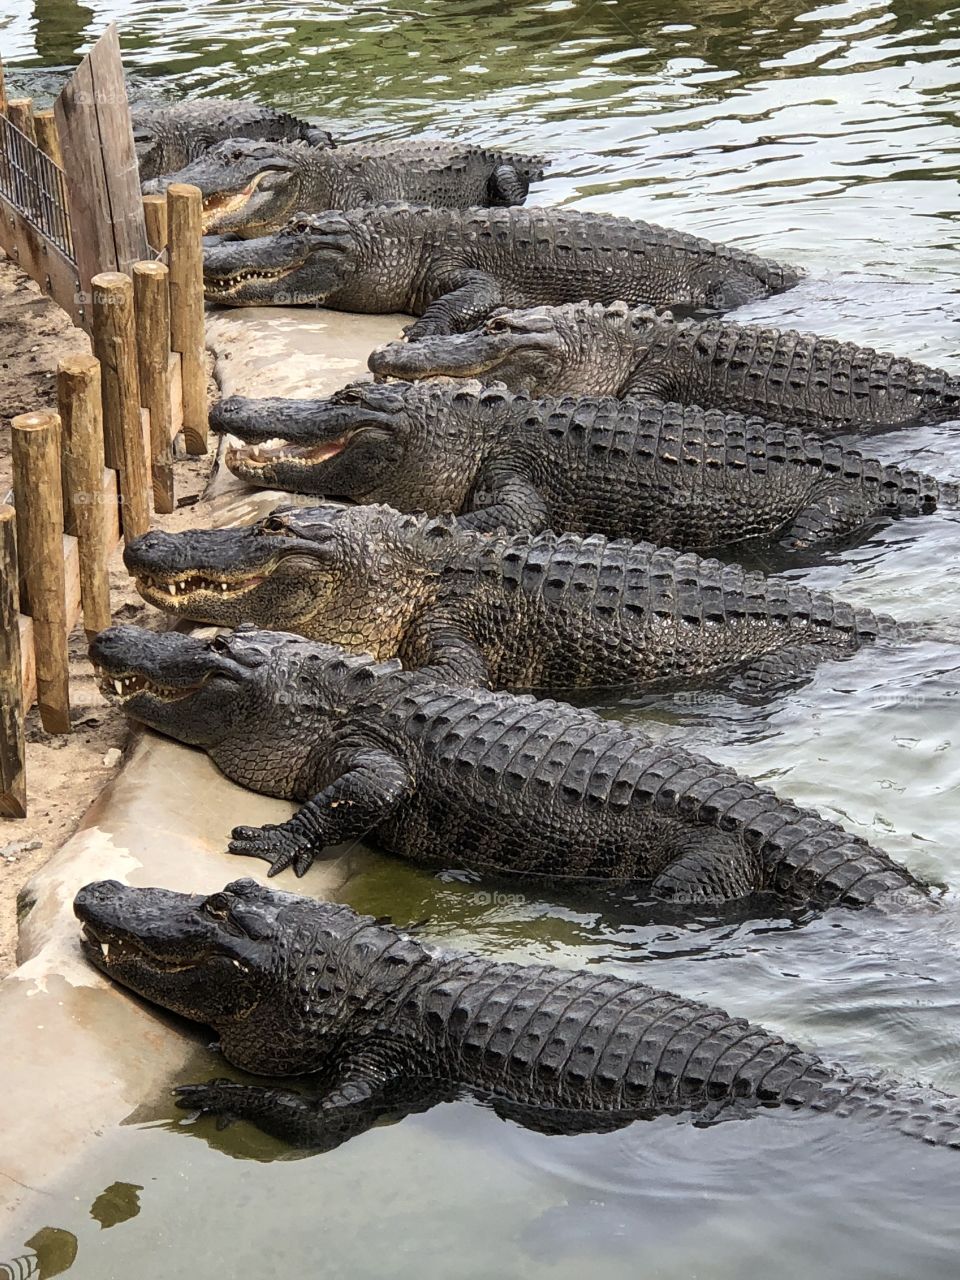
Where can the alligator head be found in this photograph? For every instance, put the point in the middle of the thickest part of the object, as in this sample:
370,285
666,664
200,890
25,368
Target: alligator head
521,348
249,188
345,576
571,349
417,448
243,696
307,262
238,960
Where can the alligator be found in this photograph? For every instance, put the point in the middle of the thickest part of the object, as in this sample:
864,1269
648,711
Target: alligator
388,1025
801,380
253,188
530,611
680,476
481,781
169,135
452,267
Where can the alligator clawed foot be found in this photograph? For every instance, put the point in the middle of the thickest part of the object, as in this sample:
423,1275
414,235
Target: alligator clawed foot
274,844
215,1098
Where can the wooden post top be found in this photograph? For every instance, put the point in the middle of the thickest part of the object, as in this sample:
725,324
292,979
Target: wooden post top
38,421
78,364
150,268
185,189
110,280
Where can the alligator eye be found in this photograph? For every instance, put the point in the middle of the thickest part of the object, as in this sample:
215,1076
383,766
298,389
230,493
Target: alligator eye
217,905
219,644
497,326
273,524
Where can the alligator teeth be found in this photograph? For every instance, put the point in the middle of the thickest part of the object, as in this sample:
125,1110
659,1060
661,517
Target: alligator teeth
172,588
118,685
105,950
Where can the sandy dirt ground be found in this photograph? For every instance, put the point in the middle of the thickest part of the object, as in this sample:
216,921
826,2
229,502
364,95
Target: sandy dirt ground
64,772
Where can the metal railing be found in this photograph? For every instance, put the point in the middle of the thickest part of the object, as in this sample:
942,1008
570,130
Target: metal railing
35,186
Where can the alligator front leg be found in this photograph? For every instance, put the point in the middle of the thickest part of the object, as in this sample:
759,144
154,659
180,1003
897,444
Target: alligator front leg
650,383
371,786
441,650
465,300
710,868
360,1095
775,673
512,504
834,517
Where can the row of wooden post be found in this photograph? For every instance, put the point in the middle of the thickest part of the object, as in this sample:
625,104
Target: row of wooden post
69,505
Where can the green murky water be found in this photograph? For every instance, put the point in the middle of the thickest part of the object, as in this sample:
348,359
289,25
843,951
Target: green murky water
824,135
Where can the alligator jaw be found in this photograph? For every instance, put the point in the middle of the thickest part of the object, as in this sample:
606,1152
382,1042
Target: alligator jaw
182,591
256,457
222,203
216,287
121,687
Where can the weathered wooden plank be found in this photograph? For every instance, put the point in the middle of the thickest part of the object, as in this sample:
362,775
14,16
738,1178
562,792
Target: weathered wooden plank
100,163
13,788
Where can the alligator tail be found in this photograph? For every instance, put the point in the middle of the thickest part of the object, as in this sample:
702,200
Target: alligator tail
915,1111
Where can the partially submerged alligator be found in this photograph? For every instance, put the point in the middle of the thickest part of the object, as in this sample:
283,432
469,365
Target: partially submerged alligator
452,267
798,379
484,781
682,477
528,611
388,1024
169,135
253,188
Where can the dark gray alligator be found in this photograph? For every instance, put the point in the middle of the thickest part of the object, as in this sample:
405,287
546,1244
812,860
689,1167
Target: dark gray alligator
798,379
253,188
452,267
169,135
531,611
485,781
682,477
388,1024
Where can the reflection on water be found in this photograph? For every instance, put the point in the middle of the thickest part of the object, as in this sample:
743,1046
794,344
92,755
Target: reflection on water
824,135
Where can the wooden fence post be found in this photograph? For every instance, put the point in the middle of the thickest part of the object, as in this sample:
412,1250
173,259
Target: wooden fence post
152,309
39,503
115,346
20,113
81,464
48,140
185,255
155,220
13,790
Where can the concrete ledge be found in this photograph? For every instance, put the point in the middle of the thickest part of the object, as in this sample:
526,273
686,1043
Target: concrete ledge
77,1054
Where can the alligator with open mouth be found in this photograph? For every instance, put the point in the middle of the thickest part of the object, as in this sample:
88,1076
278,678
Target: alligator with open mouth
683,477
482,781
170,135
386,1024
531,611
254,188
798,379
452,267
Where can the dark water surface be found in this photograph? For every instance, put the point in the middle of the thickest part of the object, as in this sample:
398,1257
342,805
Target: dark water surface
821,135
